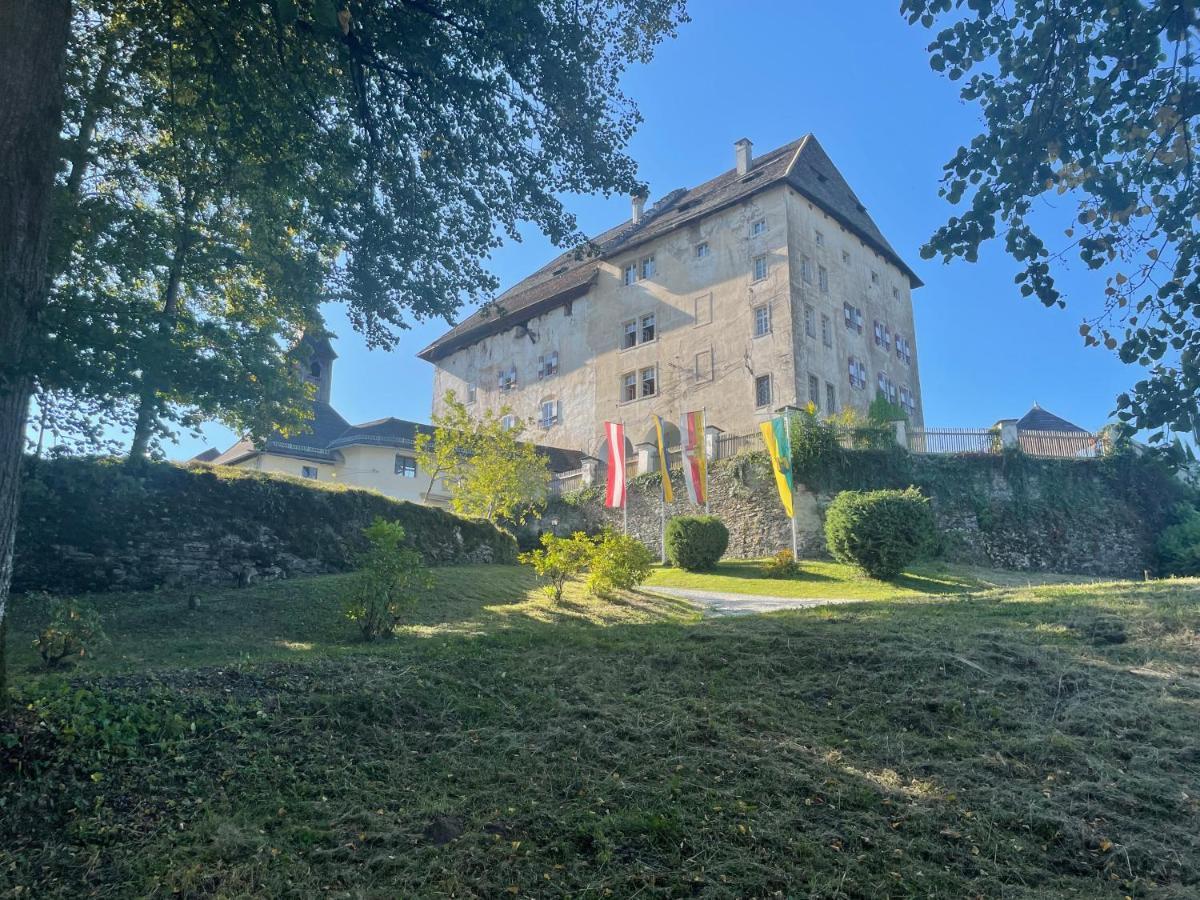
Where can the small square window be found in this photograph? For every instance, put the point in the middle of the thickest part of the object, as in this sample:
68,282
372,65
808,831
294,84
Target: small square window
757,227
810,321
629,333
631,271
895,293
820,239
826,331
406,466
814,391
760,268
647,328
762,320
830,398
823,279
650,381
762,391
874,278
845,258
648,267
628,387
702,250
308,471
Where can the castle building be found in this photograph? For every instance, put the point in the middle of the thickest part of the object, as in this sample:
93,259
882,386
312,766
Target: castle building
768,286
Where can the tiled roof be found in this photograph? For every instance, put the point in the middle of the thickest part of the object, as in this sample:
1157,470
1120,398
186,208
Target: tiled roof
1038,419
802,164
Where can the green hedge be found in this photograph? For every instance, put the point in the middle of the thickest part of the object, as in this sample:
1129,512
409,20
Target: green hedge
696,542
103,508
880,532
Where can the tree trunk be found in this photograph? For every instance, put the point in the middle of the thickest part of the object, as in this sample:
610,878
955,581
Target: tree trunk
32,59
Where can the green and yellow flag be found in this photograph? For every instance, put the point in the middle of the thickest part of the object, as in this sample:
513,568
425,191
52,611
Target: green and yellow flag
662,458
779,445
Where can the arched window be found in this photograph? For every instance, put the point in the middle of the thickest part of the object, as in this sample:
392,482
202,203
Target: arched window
315,370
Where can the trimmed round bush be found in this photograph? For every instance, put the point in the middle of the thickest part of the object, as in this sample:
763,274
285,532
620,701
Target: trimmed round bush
696,542
880,532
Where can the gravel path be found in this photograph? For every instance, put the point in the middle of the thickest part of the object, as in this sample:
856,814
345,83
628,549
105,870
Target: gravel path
719,603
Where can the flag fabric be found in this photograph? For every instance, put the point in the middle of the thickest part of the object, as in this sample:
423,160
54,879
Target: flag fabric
660,429
615,495
695,465
779,445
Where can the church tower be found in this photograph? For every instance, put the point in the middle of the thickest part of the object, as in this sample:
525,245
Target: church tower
318,369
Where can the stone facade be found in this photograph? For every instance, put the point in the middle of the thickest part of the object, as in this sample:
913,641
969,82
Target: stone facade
755,289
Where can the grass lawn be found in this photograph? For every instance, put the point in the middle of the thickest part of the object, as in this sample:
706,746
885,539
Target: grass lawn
1016,742
825,579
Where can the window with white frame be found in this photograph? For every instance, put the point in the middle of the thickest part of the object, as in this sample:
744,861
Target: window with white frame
806,271
826,330
629,334
762,391
631,273
550,413
810,321
648,267
471,391
548,364
762,320
858,373
760,267
508,378
908,402
629,387
903,350
508,422
853,317
823,279
814,391
647,328
830,398
757,227
406,466
886,388
650,381
702,250
309,472
883,336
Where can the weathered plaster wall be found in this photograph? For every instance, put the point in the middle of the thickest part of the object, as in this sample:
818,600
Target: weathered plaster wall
360,466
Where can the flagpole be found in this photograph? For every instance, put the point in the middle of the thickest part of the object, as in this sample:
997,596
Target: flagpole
795,548
662,510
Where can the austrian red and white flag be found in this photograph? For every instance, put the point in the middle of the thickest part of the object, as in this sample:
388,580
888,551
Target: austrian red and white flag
615,497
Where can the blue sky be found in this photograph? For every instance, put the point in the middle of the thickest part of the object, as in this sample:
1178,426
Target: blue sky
856,75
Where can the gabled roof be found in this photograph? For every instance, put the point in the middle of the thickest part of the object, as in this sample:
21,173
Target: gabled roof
1038,419
802,164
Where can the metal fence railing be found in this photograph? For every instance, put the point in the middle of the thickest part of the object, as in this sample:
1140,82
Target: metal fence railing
954,440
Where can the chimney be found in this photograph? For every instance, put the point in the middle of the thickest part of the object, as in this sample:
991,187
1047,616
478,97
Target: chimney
743,151
639,204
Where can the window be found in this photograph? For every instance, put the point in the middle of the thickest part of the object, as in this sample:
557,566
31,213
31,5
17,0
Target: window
806,269
762,320
762,391
830,398
568,309
858,373
631,271
702,250
886,388
548,365
895,293
704,365
883,336
853,317
648,267
757,227
647,328
628,387
629,334
509,422
908,402
814,391
406,466
315,370
874,278
845,258
760,268
650,381
508,379
549,416
903,350
820,239
823,279
826,331
810,321
308,471
471,392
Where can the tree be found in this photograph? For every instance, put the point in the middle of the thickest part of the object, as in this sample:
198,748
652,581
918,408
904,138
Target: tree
491,473
1095,101
224,167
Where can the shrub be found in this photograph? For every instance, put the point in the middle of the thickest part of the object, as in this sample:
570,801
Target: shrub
561,559
880,532
618,562
392,580
696,542
782,565
1179,544
73,630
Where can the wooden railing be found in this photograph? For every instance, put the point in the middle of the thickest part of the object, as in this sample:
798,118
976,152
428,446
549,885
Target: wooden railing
566,482
1063,444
